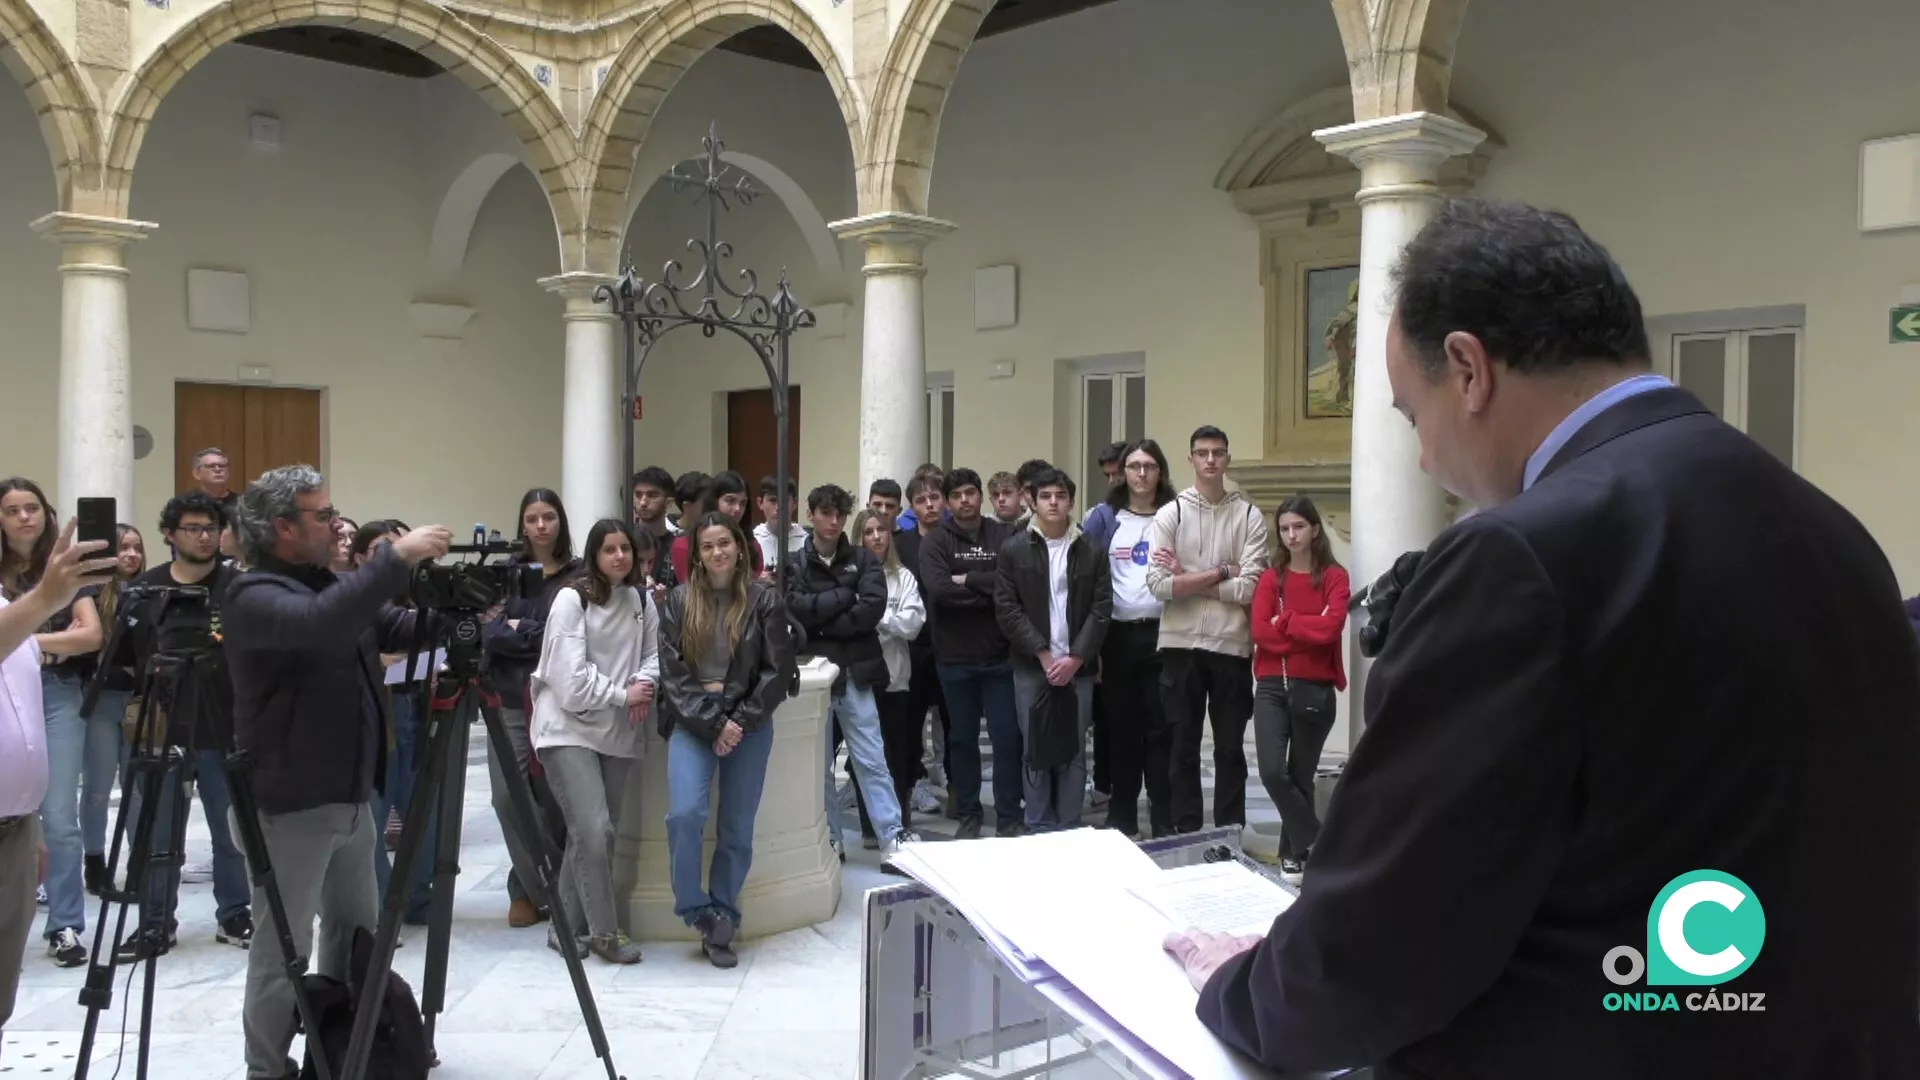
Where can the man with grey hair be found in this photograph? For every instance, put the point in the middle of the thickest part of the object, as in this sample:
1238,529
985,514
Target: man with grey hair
211,471
303,646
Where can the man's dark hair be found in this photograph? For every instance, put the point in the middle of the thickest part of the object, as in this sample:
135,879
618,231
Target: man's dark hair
1110,455
1539,293
688,490
770,488
830,497
725,483
884,488
1120,496
652,476
1029,469
193,502
928,468
1052,477
921,484
1207,431
958,479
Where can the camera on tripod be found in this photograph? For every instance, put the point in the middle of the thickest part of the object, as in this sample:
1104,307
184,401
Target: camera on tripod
474,586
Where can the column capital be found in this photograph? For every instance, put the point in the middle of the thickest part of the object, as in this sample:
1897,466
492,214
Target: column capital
91,243
578,287
1421,138
894,239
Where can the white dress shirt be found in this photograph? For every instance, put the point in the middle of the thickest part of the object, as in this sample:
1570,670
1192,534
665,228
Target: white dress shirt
23,731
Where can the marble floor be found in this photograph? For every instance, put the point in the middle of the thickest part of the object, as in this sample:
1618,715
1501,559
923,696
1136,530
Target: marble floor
790,1011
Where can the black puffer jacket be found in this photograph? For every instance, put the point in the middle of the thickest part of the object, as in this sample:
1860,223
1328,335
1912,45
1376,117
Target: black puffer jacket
839,605
756,674
1023,597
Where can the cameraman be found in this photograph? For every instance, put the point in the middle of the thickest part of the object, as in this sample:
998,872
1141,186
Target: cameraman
192,524
304,653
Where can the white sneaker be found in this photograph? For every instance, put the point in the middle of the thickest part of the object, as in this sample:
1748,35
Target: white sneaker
926,798
937,775
196,874
899,841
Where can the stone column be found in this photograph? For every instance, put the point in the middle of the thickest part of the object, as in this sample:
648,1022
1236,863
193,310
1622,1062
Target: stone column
1396,507
590,411
893,347
96,377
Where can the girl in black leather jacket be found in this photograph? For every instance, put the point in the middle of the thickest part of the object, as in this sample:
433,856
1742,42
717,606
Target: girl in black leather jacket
725,651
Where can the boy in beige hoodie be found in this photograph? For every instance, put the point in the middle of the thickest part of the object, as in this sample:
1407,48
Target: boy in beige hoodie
1209,547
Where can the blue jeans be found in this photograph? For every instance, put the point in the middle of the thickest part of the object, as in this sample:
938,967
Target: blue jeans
232,893
691,765
859,718
1055,796
409,745
974,690
106,747
60,809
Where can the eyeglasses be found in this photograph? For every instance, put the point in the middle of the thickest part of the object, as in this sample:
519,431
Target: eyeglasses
201,531
326,515
1210,454
1142,468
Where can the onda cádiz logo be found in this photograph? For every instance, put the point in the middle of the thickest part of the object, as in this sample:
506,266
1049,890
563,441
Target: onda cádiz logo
1704,928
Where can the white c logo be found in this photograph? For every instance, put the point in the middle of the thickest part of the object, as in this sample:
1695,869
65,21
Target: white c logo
1673,934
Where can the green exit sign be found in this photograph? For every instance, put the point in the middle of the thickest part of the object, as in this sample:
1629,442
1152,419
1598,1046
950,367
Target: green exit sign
1904,326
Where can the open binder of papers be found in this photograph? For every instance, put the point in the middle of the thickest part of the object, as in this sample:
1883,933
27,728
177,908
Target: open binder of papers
1081,915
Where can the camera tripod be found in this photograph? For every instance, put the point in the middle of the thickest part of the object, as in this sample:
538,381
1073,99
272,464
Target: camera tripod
459,697
157,772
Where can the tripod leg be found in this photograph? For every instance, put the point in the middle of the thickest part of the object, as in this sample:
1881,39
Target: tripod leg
527,817
253,840
145,776
413,835
450,761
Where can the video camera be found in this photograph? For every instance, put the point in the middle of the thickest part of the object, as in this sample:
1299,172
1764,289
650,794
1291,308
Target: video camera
475,586
1380,598
181,616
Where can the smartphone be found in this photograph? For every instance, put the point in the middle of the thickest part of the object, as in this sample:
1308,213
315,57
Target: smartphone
95,519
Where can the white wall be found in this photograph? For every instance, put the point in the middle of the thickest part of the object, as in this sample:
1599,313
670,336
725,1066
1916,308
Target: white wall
332,231
1717,155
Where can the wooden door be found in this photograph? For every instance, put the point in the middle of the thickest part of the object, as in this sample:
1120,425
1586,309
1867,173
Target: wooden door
259,428
752,443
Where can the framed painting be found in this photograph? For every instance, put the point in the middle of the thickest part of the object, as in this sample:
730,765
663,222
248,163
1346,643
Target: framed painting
1332,305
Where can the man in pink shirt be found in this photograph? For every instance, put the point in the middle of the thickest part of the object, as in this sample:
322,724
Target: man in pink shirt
23,746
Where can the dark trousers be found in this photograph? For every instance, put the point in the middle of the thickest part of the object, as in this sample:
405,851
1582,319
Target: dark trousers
1290,725
1139,743
926,693
1196,684
1102,764
974,692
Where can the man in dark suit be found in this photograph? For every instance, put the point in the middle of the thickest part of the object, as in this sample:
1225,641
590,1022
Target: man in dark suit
1654,651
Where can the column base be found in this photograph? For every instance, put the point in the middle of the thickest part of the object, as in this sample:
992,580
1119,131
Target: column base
795,877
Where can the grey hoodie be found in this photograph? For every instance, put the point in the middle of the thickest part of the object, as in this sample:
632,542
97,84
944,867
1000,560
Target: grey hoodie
1203,535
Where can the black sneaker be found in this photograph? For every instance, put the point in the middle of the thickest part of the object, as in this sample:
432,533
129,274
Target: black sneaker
716,940
236,930
96,874
1292,870
969,829
138,947
65,948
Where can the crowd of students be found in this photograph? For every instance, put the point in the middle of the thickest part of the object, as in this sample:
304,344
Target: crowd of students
949,604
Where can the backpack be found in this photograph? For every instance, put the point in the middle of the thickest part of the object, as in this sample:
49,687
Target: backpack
400,1050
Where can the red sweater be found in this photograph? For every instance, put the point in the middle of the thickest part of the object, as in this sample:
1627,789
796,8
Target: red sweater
1298,635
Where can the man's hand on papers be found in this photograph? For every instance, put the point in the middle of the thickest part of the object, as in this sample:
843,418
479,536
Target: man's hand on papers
1201,953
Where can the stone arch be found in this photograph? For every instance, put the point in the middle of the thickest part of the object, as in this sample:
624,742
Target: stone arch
459,209
667,41
59,96
821,243
923,59
473,58
1399,53
1281,159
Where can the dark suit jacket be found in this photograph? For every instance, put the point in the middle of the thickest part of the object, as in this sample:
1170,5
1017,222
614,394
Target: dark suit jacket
1670,654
